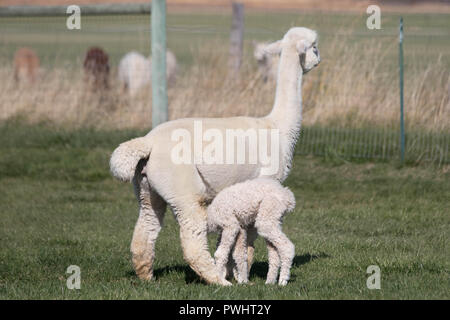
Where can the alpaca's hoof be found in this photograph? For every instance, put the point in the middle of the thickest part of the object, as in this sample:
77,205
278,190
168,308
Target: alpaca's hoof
242,281
145,276
271,281
225,282
282,282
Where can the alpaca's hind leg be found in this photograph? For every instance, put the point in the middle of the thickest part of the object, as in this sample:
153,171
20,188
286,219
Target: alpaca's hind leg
240,257
151,216
274,263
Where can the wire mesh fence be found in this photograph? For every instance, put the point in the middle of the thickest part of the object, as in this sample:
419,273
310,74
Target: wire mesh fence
370,143
351,103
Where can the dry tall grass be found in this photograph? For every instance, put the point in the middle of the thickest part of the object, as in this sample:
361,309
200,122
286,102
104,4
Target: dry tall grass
353,86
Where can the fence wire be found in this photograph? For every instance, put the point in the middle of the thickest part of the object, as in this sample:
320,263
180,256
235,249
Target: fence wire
62,51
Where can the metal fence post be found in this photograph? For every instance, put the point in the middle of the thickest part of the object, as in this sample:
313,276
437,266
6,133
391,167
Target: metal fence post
160,112
237,36
402,124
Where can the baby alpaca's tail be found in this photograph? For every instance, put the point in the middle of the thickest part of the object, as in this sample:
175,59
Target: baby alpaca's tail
127,155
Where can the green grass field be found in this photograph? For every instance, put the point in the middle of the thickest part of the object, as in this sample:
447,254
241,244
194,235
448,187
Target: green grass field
59,206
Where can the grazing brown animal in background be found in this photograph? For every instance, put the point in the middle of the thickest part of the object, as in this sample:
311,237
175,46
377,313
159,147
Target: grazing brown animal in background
26,65
96,68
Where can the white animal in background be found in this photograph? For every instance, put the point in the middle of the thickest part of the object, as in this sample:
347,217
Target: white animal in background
135,71
259,203
267,62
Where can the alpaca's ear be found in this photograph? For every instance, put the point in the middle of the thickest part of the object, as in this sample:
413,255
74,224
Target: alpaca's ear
303,46
273,48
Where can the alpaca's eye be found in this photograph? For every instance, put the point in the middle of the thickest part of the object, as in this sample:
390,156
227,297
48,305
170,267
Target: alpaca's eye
315,50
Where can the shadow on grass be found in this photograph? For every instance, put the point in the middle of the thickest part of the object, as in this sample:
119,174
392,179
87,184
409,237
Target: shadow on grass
189,275
259,269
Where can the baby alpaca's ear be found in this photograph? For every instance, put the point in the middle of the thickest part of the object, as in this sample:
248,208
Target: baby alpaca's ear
303,46
273,48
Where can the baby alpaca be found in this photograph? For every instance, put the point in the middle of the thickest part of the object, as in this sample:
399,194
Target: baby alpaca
260,203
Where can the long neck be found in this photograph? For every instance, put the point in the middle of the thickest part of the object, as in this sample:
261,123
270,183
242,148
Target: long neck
286,114
287,110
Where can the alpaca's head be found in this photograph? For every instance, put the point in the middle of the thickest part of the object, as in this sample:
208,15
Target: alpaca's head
304,41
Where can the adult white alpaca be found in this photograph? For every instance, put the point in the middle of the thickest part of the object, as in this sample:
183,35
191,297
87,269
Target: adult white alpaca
267,62
135,71
188,186
261,203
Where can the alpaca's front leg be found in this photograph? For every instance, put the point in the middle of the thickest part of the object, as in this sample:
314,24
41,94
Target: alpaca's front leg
192,219
151,215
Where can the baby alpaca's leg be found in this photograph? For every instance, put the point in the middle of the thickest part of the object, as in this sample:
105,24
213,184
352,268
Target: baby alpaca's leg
286,251
240,257
231,265
284,247
227,241
252,234
274,263
268,225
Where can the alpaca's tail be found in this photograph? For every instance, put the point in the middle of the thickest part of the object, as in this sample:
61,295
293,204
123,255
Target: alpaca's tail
126,157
